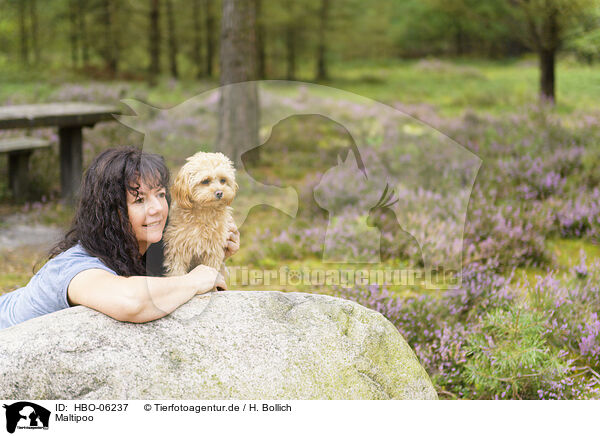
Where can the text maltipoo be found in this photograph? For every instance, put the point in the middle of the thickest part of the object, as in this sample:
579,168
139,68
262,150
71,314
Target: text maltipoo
201,214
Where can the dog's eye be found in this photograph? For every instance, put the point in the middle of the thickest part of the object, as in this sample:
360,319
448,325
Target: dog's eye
223,180
205,181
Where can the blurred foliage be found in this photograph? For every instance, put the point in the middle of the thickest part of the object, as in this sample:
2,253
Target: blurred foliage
86,35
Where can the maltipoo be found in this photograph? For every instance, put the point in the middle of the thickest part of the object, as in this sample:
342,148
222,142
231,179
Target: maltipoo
201,214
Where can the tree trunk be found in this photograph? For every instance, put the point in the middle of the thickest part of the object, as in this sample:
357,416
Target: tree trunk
290,43
110,49
23,34
197,54
459,44
547,74
260,42
210,39
154,40
116,36
549,43
81,7
73,34
238,105
322,47
172,40
34,31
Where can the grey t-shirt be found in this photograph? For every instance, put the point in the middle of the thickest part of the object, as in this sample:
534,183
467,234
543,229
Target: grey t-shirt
46,292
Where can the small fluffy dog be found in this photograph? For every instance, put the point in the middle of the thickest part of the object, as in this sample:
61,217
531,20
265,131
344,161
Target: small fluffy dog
201,214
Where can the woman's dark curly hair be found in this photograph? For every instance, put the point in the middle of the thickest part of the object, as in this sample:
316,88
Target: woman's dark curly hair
101,224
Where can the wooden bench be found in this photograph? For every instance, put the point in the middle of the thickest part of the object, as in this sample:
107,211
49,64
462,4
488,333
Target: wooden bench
19,150
69,118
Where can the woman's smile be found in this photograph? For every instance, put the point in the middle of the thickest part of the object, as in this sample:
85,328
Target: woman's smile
156,223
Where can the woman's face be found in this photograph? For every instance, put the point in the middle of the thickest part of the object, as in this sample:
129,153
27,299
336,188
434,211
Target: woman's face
148,214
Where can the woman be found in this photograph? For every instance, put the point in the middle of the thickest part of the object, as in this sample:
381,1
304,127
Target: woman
101,262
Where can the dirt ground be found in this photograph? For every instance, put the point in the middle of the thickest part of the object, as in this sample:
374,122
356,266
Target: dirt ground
16,232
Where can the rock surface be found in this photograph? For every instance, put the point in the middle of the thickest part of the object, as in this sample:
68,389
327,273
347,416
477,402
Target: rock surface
229,345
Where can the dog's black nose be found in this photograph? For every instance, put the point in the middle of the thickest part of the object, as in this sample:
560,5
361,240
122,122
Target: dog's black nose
219,194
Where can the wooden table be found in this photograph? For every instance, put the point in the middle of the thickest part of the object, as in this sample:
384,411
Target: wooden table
70,118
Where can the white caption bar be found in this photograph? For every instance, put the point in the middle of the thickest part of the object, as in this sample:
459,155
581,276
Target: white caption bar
160,417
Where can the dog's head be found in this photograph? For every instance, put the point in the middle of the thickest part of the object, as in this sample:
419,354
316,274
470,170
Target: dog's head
206,180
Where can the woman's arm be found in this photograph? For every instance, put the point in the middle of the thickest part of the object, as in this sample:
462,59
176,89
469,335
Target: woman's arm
139,299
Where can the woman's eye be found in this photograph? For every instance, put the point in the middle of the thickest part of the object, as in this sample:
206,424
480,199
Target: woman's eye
162,194
223,180
139,200
205,181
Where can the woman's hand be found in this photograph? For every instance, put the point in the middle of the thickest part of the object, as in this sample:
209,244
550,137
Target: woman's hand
233,242
206,279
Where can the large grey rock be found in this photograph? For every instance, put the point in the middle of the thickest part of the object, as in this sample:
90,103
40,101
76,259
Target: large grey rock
238,345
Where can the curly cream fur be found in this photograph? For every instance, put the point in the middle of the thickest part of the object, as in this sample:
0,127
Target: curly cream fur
199,221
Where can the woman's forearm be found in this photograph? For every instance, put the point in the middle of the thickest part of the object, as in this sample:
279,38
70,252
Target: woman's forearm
138,298
156,297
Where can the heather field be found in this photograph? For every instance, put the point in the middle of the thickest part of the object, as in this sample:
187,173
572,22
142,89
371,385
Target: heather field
524,322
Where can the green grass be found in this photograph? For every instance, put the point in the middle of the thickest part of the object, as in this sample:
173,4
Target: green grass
450,86
482,86
566,254
568,251
17,267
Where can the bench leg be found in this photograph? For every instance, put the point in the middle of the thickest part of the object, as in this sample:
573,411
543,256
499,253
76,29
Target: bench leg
71,161
18,168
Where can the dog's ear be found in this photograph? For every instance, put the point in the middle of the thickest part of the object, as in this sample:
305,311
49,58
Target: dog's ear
235,187
181,191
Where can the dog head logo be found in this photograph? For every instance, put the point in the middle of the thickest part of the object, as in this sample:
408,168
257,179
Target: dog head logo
404,188
348,210
26,415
